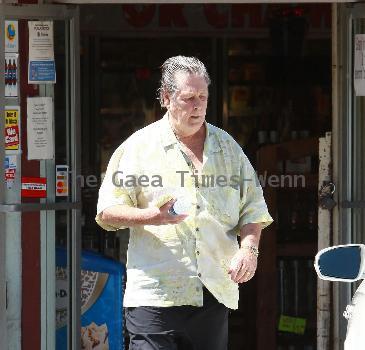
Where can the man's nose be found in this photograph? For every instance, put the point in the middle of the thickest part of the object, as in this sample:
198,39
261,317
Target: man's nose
198,103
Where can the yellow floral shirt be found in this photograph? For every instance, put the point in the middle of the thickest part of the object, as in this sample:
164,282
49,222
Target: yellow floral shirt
168,265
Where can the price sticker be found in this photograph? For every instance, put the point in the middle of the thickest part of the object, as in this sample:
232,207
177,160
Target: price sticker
61,180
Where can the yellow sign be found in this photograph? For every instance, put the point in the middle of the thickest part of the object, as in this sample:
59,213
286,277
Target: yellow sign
12,136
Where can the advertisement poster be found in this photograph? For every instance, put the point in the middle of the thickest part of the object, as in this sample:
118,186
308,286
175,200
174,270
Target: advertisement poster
11,36
11,75
359,62
12,135
10,170
40,128
102,282
34,187
41,68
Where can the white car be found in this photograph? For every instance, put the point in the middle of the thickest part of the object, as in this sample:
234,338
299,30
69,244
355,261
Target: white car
355,313
346,263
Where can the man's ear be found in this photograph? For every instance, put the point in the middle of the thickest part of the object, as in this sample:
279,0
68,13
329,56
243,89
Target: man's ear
166,99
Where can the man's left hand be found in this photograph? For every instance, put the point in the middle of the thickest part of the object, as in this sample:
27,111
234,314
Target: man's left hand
243,265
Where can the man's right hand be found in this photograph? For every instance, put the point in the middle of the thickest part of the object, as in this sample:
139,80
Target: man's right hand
161,216
124,215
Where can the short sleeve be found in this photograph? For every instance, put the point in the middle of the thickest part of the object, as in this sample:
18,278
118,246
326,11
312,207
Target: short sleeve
253,208
111,191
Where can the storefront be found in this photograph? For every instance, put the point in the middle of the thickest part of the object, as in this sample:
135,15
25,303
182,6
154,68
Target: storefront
271,90
282,80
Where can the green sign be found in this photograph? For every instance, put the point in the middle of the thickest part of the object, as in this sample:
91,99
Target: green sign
292,324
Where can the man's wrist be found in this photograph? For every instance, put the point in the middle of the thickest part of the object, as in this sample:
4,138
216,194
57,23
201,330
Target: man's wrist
148,215
251,248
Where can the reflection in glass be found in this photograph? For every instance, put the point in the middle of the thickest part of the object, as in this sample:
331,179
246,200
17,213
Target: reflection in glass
357,155
342,262
62,279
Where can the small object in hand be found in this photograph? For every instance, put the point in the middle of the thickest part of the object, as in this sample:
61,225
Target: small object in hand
180,207
171,211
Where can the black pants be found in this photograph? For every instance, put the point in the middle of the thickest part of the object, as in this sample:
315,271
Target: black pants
179,327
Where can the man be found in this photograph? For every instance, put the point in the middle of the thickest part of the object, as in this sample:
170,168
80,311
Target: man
183,269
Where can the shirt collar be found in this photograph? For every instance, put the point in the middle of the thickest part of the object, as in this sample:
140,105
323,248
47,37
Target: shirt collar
167,135
211,143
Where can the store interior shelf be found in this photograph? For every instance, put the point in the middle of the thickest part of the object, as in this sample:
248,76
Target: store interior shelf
296,181
295,149
290,339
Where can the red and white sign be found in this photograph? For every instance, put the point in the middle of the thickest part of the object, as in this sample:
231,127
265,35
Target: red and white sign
12,136
9,174
34,187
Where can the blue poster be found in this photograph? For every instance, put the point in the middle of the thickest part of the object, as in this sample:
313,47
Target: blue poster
42,71
101,302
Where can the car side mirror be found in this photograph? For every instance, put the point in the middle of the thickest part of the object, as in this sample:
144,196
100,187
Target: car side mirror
344,263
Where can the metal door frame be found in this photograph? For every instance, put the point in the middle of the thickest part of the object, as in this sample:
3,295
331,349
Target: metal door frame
71,14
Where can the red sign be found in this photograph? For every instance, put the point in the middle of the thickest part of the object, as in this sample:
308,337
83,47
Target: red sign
34,187
245,20
11,136
10,174
12,120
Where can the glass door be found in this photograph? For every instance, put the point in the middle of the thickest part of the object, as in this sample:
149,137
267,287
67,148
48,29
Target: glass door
40,197
351,171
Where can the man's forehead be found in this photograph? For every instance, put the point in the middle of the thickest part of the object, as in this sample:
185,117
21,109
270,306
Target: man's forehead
187,82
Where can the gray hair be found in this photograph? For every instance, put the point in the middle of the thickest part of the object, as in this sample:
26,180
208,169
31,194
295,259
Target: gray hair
173,65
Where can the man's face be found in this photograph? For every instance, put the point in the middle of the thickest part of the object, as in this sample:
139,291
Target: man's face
188,105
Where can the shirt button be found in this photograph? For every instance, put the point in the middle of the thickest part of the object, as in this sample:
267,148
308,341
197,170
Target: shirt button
198,207
197,229
197,252
199,274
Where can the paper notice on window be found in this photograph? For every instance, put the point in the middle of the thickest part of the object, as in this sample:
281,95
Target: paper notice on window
359,65
41,67
40,128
